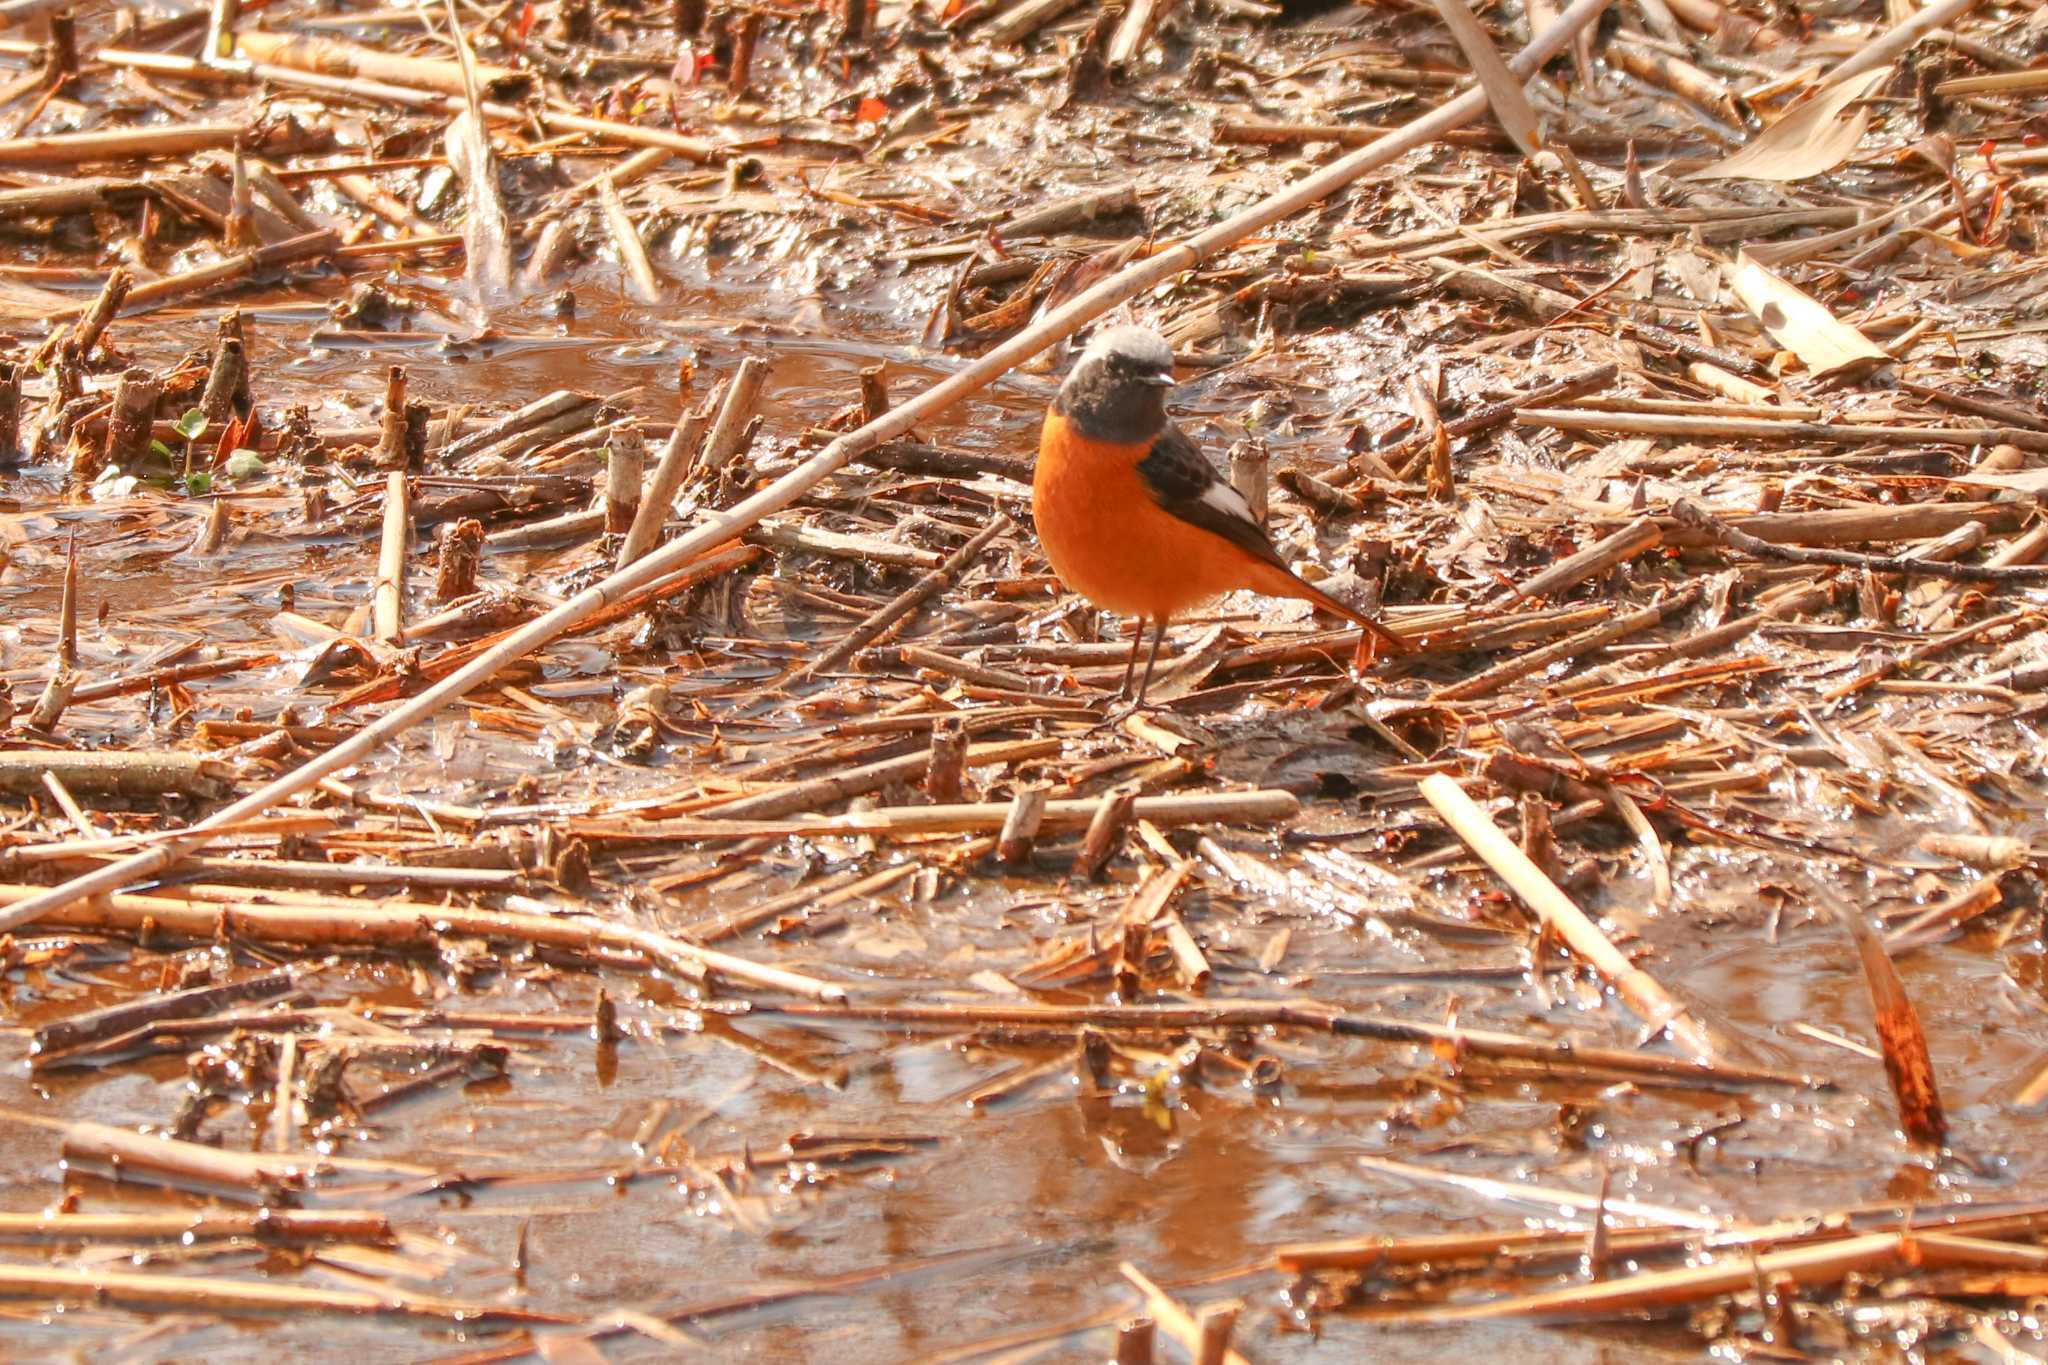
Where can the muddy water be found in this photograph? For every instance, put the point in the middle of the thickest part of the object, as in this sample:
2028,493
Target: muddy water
1014,1215
1031,1202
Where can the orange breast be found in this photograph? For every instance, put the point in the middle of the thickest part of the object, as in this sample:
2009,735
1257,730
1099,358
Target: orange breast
1111,542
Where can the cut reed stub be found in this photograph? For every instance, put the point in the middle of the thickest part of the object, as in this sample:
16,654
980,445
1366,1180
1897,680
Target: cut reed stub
130,427
461,552
1105,833
10,413
1020,825
945,772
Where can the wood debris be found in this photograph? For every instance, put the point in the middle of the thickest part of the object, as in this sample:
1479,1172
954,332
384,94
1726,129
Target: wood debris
544,778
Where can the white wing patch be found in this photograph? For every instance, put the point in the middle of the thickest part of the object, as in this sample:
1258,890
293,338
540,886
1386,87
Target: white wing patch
1229,502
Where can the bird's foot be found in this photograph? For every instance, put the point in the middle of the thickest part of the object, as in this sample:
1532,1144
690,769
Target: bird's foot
1122,707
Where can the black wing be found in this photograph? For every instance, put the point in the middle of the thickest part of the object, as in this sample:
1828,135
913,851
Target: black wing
1181,480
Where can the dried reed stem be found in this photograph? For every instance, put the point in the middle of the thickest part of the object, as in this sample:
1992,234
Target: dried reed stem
1062,322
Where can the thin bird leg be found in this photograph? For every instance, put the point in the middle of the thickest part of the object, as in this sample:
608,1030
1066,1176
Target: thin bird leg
1131,664
1158,638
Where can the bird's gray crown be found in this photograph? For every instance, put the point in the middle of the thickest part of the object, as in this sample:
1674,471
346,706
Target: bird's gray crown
1142,347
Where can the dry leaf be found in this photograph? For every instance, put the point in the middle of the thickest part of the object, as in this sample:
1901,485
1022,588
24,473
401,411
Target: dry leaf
1811,139
1503,90
1961,250
1906,1059
1801,323
2025,480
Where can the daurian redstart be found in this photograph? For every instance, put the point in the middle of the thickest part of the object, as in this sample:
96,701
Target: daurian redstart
1132,514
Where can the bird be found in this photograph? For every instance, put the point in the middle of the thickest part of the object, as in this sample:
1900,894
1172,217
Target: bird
1134,517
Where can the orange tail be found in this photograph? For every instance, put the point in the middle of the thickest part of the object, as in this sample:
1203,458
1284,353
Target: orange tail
1280,583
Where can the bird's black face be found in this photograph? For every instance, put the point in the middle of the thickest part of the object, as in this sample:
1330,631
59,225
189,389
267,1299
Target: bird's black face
1117,397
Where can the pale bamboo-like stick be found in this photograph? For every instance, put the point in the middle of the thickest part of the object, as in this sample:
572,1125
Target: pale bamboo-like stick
1942,1249
905,602
288,67
814,792
1571,647
810,899
1887,46
1637,988
657,500
1632,1295
118,144
387,596
176,1159
1855,525
728,430
1998,83
625,172
1631,540
646,285
1062,322
335,58
60,850
206,278
1021,824
271,1224
1199,808
1811,1229
1562,1057
143,773
209,1294
1768,429
1140,19
396,924
1549,1197
68,803
294,70
2033,1092
21,11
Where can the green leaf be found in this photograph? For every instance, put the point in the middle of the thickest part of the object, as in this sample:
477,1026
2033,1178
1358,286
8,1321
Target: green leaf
197,482
191,424
244,464
159,448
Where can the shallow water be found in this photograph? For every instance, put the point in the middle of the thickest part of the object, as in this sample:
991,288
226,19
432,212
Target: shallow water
1010,1216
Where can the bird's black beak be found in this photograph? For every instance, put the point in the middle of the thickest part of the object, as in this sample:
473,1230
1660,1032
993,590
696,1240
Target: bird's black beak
1162,380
